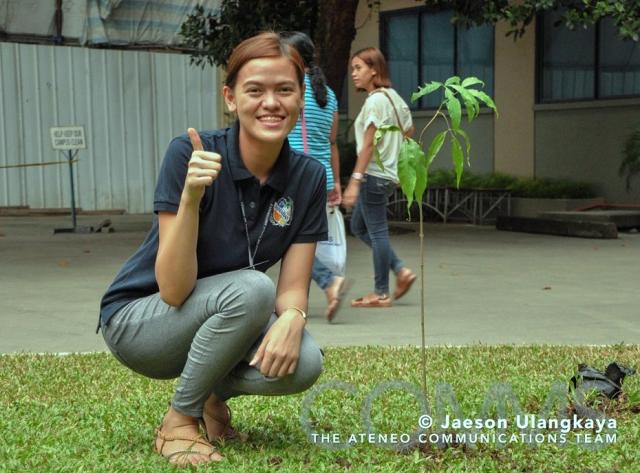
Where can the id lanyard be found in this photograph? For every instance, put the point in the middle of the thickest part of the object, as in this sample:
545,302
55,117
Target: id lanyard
246,229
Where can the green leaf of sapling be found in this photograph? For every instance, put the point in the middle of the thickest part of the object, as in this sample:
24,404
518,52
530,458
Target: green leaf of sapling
457,158
453,107
425,89
485,98
407,169
377,137
435,146
470,102
422,174
464,135
469,81
452,80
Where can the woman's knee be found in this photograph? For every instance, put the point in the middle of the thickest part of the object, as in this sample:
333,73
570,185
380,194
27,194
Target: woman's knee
259,287
309,367
250,292
380,235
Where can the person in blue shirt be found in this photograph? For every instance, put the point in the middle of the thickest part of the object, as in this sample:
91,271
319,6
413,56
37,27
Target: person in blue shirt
315,133
193,302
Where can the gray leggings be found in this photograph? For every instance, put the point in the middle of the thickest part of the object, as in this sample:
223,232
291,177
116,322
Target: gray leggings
208,341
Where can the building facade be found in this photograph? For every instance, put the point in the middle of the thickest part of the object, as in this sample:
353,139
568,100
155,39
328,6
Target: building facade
567,99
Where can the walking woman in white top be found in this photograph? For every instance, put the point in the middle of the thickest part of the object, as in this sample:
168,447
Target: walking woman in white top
370,186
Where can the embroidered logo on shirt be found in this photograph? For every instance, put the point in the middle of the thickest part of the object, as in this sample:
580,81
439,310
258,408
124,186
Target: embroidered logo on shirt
282,212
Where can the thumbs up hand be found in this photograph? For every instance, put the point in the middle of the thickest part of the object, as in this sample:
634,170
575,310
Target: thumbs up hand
204,168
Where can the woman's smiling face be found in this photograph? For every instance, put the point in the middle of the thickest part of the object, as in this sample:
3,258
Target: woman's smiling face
267,98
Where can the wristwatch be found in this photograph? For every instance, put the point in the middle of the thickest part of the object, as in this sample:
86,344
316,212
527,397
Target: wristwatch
357,176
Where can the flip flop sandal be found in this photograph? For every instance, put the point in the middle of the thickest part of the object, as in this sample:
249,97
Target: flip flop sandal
228,432
334,305
361,302
403,284
180,457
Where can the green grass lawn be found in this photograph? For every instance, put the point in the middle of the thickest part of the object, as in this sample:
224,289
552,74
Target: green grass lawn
88,413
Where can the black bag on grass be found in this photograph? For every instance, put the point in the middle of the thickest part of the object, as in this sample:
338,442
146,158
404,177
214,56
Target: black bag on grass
607,384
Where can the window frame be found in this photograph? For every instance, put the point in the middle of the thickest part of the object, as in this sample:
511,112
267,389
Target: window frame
419,11
540,31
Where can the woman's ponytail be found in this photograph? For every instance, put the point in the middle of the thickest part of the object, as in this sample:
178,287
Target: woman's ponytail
318,85
305,47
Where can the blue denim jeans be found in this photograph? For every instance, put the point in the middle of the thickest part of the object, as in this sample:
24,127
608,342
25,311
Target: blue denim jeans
321,274
369,223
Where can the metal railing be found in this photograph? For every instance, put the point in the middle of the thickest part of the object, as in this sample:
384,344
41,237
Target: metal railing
476,206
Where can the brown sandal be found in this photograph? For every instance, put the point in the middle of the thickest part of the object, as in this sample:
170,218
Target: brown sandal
335,296
182,455
404,280
228,432
367,302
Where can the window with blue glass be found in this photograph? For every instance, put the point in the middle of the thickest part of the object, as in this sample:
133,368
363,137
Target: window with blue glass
585,64
422,46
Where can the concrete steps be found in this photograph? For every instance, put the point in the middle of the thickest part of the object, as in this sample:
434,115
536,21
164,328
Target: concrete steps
584,224
623,219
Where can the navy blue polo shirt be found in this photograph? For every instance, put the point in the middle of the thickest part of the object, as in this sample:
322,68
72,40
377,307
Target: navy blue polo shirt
292,201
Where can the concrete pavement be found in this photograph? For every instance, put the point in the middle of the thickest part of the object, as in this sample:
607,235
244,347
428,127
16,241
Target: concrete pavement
482,286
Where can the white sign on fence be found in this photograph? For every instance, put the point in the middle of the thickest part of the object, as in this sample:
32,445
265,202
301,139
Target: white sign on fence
67,137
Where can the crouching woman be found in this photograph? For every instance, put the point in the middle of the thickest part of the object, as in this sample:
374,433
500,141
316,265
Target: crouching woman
193,302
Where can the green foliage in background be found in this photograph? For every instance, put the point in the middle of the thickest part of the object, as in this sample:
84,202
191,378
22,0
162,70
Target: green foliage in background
630,166
519,186
625,14
212,35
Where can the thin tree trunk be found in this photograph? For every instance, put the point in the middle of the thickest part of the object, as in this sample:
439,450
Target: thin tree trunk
423,329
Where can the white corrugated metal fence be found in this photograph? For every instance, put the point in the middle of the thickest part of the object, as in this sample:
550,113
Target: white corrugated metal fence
130,103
